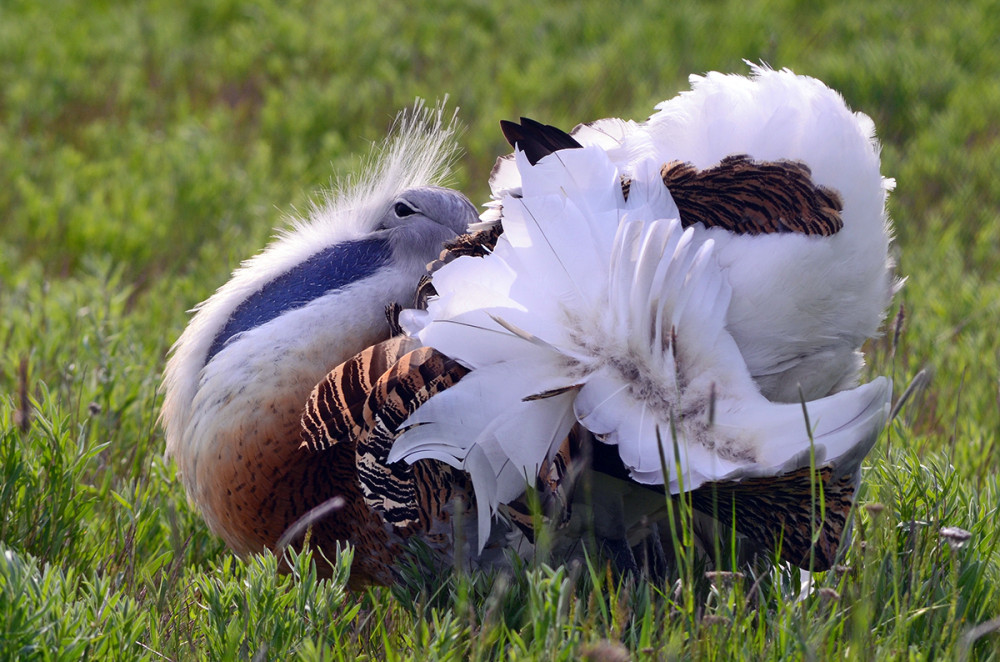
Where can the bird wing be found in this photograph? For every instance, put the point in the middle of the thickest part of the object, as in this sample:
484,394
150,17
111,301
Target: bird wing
801,507
391,489
478,243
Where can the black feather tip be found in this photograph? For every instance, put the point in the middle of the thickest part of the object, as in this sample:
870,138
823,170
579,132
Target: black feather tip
536,139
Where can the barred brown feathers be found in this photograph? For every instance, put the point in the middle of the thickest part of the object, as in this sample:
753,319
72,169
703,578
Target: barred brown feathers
392,489
334,410
331,423
751,197
348,427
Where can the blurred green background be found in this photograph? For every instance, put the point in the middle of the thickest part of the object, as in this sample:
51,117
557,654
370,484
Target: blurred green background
163,142
147,147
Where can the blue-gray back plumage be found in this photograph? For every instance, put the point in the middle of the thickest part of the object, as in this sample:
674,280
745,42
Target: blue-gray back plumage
331,269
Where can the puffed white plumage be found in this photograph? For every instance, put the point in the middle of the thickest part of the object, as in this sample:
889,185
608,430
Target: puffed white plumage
598,308
242,371
801,306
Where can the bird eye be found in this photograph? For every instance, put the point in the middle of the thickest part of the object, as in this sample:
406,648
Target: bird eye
402,209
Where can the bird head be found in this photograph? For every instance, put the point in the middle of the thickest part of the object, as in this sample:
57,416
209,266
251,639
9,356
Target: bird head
421,219
240,374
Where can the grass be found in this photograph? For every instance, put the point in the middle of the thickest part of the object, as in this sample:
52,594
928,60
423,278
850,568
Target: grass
146,148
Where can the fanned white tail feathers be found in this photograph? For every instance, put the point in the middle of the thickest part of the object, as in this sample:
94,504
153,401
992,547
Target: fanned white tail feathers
602,310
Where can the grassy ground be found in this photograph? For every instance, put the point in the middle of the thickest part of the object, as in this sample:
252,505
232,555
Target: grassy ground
145,148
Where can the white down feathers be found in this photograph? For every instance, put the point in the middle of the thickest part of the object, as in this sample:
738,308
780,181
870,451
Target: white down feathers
602,310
